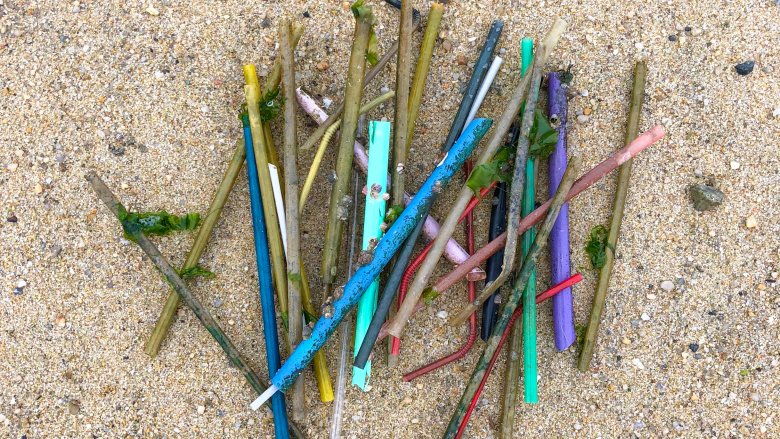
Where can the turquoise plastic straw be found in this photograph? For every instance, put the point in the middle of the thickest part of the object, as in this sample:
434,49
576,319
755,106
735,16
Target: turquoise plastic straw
376,187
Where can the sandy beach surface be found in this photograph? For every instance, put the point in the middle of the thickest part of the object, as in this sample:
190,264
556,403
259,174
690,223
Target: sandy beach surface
147,94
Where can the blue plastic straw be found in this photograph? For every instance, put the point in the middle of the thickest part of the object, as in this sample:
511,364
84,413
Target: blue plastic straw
278,405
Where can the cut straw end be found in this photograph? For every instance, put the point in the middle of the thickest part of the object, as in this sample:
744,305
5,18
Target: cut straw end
262,399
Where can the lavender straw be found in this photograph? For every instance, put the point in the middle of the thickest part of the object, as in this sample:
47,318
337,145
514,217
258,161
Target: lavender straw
562,308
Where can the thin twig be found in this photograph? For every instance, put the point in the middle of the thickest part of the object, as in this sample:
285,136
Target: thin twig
402,83
172,276
152,347
252,92
339,200
632,128
294,307
518,180
421,70
448,227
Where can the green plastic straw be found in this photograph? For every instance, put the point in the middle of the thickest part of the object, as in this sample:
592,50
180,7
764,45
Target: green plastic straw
376,187
516,342
529,295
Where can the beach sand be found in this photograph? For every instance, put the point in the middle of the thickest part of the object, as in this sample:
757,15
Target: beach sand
147,94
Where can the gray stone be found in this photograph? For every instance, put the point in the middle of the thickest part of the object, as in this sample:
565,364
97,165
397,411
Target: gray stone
705,197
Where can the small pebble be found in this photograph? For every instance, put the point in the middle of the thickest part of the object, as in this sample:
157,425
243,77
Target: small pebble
12,218
442,314
698,172
734,165
231,322
667,285
60,320
750,222
673,38
693,347
639,46
745,68
12,167
582,119
201,409
461,59
327,102
151,10
446,45
645,316
38,189
755,397
587,111
323,65
638,363
776,111
74,407
705,197
217,302
21,283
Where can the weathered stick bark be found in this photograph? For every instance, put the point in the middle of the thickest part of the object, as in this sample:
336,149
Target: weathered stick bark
293,253
402,83
339,199
172,276
632,128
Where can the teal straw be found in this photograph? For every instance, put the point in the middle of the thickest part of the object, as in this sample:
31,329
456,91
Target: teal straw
376,187
530,389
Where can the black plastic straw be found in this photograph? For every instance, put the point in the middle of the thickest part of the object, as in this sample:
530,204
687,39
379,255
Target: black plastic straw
480,69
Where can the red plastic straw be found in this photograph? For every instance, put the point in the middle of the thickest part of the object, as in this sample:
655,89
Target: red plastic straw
472,294
395,347
576,278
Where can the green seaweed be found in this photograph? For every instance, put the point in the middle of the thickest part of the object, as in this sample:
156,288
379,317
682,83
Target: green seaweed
360,11
495,170
196,271
429,294
597,245
157,223
270,106
542,137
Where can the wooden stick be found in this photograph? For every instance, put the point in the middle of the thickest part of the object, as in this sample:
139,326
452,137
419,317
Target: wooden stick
632,128
421,70
320,131
514,299
402,83
339,199
294,308
448,227
152,347
172,276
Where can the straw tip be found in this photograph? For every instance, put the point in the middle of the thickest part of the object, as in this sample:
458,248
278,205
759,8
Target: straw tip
360,376
262,399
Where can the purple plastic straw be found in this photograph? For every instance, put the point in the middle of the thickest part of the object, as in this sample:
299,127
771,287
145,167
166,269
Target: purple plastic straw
562,308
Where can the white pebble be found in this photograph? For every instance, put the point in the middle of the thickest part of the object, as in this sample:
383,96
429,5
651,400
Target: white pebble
776,111
734,165
582,119
327,102
21,283
151,10
638,363
442,314
667,285
645,316
159,75
751,222
201,410
639,46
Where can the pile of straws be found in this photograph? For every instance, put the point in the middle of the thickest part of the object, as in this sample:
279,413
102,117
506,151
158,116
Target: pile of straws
393,220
